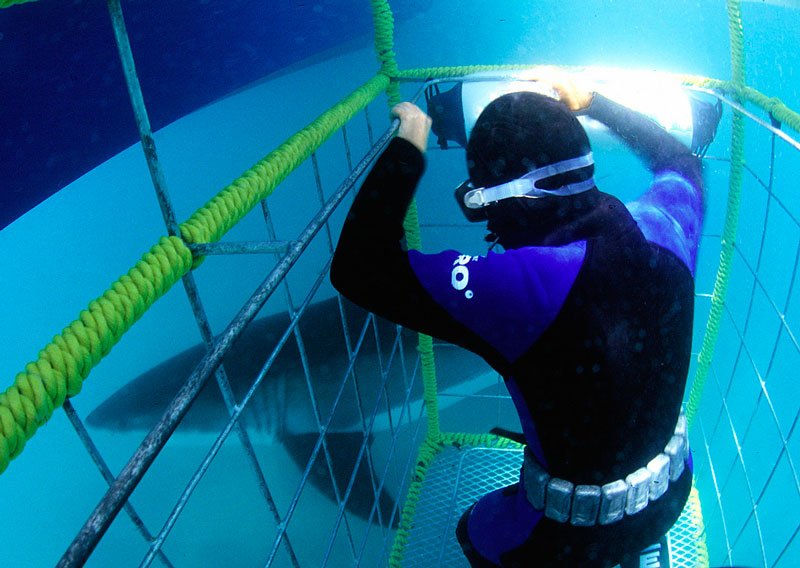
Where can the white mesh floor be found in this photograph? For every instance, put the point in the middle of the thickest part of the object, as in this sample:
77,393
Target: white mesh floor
459,477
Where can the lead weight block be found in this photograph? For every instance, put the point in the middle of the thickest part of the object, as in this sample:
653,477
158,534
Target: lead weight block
559,499
612,502
659,475
681,426
535,479
585,505
675,451
638,491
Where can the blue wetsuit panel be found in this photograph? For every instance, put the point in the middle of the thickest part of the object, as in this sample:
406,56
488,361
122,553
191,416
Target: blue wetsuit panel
670,215
509,298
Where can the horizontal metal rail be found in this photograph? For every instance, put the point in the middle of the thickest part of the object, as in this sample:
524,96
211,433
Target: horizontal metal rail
106,511
245,247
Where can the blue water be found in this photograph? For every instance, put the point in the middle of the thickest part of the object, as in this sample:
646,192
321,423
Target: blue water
67,251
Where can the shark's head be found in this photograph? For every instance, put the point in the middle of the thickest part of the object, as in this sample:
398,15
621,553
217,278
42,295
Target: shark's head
119,413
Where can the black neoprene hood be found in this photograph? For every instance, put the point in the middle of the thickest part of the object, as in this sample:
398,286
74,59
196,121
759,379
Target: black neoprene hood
520,132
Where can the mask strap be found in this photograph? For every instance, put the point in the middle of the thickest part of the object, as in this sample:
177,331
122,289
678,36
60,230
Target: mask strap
526,185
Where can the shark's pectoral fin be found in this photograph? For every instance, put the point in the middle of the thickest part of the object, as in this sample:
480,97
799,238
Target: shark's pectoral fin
344,448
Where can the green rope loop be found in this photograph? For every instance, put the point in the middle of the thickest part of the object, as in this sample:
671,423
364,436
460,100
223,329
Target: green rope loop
730,228
66,361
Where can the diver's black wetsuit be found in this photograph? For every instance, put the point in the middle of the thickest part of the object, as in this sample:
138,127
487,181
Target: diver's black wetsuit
587,315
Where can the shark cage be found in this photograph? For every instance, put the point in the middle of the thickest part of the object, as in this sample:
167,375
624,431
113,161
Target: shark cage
335,419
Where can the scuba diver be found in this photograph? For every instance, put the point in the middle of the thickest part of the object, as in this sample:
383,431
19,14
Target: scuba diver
586,313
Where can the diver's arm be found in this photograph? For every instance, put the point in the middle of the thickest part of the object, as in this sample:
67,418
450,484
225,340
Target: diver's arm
660,150
371,265
670,213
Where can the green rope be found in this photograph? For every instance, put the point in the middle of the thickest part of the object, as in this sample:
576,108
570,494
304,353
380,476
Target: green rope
384,48
66,361
428,451
441,72
772,105
7,3
431,445
228,207
430,386
699,527
461,439
731,223
383,23
425,345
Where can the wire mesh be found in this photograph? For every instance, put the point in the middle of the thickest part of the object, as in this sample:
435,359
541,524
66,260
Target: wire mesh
747,467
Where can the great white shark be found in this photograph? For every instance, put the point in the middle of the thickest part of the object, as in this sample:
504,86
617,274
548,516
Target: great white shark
281,410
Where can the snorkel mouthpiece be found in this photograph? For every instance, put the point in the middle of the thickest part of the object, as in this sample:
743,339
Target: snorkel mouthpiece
473,200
